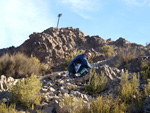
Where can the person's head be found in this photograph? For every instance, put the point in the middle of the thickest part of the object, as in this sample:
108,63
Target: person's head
88,54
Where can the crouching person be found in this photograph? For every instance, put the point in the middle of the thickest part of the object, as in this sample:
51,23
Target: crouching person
79,65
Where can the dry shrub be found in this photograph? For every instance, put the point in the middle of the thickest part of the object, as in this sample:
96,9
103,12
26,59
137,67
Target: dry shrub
96,83
101,105
19,65
73,105
27,92
108,51
126,55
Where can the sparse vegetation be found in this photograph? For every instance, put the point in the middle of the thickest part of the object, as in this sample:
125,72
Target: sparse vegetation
126,55
129,99
147,88
129,87
108,51
18,65
96,82
73,105
27,92
145,70
129,91
8,109
101,105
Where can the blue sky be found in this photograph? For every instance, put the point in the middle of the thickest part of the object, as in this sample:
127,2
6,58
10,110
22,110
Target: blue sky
129,19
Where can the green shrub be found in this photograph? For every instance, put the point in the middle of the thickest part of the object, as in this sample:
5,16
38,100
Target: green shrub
145,70
147,88
27,92
119,107
107,104
129,88
8,109
108,51
19,65
96,82
101,105
73,105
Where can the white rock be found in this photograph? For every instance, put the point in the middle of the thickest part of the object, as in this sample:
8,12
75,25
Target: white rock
52,89
10,79
15,82
44,90
3,83
85,97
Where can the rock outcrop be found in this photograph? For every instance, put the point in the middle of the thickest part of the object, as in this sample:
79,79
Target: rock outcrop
53,44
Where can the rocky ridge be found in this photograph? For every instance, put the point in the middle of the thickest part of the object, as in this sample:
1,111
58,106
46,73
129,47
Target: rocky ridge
52,45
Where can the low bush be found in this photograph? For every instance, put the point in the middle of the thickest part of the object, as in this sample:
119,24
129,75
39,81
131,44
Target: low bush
145,70
119,107
27,92
129,92
101,105
19,65
96,82
8,109
108,51
73,105
126,55
147,88
129,87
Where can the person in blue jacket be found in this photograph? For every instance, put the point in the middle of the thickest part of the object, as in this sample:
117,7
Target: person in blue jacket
80,64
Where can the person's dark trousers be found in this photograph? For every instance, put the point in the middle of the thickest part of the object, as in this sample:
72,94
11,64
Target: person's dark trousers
71,69
83,70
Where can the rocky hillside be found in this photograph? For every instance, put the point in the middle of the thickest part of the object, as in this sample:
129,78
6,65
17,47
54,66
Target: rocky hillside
52,45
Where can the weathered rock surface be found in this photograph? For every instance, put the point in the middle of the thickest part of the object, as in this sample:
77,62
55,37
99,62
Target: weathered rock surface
53,44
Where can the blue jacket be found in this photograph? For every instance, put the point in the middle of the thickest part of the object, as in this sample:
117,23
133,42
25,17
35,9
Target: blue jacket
80,60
